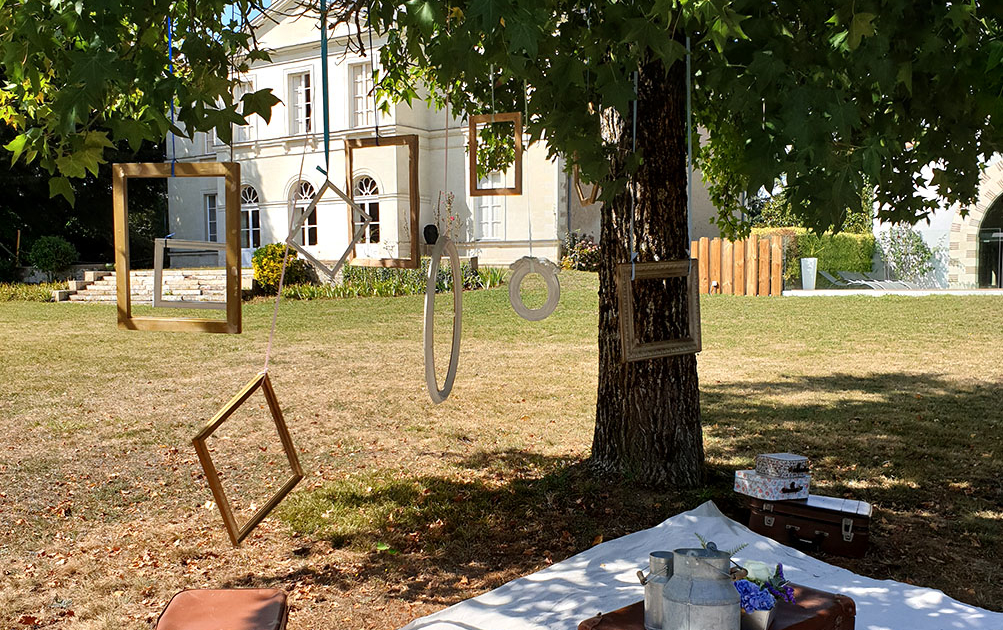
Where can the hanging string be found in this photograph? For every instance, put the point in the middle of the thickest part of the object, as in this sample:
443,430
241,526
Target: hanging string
445,154
689,154
170,68
372,61
285,261
492,79
529,214
633,193
325,107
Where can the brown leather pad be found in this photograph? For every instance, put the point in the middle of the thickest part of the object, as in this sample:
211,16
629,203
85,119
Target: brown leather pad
225,609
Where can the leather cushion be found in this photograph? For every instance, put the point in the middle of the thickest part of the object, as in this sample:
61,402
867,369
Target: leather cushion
225,609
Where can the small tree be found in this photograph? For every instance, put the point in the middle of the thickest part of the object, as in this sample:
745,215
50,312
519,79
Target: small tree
52,254
906,253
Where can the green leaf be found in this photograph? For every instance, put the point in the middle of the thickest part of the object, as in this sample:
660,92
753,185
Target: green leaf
62,186
260,103
16,146
861,26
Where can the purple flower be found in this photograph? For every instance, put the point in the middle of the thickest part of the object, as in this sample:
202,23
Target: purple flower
753,597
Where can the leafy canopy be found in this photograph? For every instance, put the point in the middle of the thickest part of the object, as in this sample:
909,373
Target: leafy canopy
80,76
824,96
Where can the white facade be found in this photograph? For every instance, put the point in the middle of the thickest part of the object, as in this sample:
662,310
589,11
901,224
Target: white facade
279,161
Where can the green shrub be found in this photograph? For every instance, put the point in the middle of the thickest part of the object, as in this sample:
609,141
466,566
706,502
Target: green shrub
359,281
777,212
839,252
20,292
267,264
906,253
52,254
581,253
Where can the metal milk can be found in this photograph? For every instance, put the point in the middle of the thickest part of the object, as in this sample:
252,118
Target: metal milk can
659,572
700,595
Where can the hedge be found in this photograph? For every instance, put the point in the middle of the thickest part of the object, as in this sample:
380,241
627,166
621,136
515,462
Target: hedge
839,252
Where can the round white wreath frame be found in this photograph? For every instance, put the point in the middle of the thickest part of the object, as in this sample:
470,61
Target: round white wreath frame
548,270
439,395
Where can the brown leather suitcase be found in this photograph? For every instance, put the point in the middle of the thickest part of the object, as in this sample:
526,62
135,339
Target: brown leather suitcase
229,609
837,526
815,610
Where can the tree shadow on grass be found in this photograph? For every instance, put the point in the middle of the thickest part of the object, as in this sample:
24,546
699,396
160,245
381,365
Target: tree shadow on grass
503,515
923,449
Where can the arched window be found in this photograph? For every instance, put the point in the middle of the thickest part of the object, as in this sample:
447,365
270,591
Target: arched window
991,247
303,193
250,218
366,193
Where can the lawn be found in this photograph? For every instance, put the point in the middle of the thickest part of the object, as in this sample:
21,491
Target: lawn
408,507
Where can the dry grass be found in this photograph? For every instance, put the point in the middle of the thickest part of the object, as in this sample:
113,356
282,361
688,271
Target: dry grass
408,507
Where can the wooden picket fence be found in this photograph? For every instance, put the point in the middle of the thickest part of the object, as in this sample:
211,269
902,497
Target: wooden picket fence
754,266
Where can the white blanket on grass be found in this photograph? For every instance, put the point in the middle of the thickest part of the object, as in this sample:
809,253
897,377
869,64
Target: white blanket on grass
604,578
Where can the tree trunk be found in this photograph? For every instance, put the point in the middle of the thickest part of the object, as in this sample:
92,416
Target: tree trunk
648,412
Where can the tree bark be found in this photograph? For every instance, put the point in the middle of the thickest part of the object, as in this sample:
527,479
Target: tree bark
648,412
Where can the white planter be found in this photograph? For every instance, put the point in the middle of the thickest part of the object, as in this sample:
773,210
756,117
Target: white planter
758,620
809,267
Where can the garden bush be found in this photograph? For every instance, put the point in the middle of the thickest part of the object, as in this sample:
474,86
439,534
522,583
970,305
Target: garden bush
906,254
20,292
359,281
8,270
267,264
52,254
581,253
835,252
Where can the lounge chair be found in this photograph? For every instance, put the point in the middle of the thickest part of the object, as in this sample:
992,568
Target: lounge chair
857,277
836,282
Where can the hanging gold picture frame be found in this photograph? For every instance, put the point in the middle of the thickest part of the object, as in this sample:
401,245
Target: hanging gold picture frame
237,532
582,199
516,119
121,174
632,349
414,198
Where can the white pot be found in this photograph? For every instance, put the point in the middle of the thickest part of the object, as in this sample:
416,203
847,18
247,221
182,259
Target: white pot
809,267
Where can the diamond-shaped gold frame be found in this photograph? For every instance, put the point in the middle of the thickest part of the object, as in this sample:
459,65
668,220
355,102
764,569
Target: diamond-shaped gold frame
632,349
239,533
592,198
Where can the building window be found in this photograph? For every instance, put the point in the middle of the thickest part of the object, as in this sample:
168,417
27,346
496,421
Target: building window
363,103
300,103
210,141
250,218
366,194
210,218
243,133
302,195
490,210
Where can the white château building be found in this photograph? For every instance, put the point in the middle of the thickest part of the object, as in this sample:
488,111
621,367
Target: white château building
279,163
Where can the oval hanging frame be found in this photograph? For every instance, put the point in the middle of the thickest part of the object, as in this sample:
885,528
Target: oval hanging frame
548,271
442,245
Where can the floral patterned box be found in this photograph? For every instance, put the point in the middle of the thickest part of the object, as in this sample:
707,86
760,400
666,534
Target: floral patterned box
753,484
782,465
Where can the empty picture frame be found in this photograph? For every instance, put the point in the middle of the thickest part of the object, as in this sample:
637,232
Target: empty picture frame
516,119
237,532
300,215
632,349
161,244
230,171
591,199
414,199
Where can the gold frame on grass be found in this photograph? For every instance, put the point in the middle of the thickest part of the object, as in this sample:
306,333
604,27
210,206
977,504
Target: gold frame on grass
632,350
120,174
516,119
239,533
414,199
